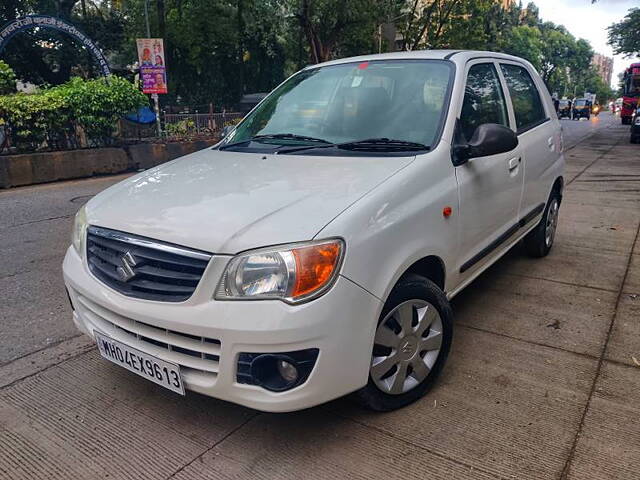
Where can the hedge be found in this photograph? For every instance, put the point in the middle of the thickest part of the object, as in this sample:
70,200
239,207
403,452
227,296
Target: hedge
55,118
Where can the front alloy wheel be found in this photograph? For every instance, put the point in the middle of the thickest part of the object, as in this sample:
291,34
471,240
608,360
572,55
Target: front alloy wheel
410,346
406,346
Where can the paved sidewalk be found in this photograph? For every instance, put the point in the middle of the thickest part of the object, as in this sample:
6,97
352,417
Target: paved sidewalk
543,379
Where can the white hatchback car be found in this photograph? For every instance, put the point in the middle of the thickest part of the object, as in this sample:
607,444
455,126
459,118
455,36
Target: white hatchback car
313,252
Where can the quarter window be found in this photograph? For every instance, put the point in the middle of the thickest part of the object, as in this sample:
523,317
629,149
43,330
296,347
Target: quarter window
483,100
527,104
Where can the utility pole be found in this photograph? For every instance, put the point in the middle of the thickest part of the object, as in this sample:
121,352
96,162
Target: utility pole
154,96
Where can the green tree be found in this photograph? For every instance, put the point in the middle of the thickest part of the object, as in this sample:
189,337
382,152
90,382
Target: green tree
526,42
336,27
624,36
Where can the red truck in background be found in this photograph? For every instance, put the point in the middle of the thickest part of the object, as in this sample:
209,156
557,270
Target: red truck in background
630,92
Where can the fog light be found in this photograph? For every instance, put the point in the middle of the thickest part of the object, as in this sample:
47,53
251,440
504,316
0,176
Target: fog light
276,371
287,371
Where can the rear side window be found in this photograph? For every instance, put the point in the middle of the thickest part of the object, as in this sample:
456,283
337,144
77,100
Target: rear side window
527,104
483,100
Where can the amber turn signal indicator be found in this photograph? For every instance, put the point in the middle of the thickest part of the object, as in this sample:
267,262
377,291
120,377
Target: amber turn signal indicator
315,266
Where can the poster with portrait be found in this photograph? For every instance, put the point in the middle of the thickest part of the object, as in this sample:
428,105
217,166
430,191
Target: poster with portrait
153,73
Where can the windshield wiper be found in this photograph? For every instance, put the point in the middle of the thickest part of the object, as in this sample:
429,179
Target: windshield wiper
369,144
279,136
290,136
383,144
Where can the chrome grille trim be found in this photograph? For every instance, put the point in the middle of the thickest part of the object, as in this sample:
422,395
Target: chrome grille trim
146,242
156,270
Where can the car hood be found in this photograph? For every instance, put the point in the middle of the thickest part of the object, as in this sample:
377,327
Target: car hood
227,202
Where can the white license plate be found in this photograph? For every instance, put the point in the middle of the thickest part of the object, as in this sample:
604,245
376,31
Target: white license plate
163,373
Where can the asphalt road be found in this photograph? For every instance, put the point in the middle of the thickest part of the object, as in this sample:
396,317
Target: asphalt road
576,130
543,379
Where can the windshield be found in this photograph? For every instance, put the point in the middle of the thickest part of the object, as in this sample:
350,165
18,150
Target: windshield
403,100
632,85
581,103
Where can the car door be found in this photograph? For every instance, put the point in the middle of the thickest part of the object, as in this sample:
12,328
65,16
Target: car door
489,188
538,137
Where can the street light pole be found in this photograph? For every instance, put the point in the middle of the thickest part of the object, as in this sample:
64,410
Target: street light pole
154,96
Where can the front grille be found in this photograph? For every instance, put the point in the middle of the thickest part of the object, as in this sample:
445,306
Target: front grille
143,268
193,352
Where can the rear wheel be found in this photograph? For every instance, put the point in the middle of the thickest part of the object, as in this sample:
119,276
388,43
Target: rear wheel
539,241
411,345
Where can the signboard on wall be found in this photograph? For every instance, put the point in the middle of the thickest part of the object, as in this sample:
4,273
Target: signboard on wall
153,73
29,22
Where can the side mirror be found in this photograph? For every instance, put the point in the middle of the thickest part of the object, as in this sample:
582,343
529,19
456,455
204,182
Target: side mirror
226,130
488,139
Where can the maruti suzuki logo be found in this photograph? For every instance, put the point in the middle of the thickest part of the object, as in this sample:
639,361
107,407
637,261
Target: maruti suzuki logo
126,272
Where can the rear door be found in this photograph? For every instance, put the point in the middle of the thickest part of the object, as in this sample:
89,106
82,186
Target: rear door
489,187
538,136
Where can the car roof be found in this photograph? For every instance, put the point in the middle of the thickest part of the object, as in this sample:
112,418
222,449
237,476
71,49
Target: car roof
457,56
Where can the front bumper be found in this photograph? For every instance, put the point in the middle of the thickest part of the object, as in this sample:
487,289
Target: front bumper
341,324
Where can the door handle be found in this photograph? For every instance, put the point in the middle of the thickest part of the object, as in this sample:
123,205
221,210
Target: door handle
513,163
550,143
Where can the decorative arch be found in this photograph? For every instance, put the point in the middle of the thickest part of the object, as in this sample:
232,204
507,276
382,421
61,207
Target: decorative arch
45,21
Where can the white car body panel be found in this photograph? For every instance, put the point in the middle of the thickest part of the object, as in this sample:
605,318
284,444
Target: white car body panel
227,202
387,209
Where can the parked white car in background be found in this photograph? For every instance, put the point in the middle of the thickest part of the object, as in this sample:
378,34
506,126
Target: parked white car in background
313,252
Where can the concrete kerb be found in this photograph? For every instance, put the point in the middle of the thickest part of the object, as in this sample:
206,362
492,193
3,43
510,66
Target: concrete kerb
34,168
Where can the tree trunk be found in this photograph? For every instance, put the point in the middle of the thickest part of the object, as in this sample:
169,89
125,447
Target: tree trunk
241,30
162,22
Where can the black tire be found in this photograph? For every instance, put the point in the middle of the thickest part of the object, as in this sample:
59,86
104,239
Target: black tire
536,243
411,287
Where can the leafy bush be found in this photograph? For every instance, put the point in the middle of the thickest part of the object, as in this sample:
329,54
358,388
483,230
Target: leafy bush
181,128
50,117
34,119
7,79
96,105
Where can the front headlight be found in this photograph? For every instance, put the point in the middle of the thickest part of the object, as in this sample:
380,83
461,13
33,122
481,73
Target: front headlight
293,273
638,120
78,233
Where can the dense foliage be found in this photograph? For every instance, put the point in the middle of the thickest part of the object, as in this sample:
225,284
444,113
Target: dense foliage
7,79
218,50
60,117
625,35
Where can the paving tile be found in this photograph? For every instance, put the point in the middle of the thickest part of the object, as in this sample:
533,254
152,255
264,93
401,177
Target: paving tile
199,417
503,406
609,445
632,282
318,445
65,419
564,316
622,198
624,344
605,228
570,263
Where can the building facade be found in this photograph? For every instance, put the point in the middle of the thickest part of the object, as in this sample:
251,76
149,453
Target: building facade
604,67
